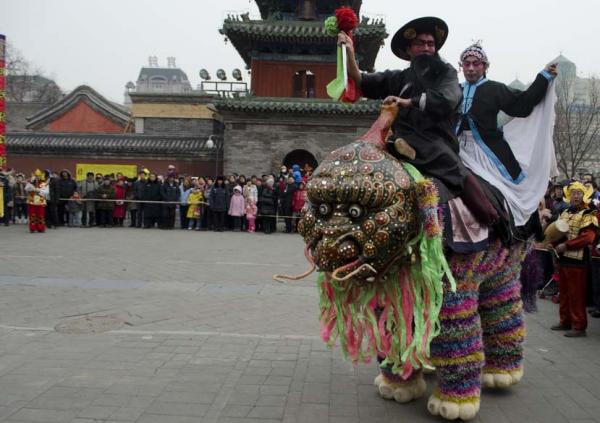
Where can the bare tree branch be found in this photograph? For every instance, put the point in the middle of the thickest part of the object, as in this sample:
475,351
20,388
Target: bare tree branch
577,126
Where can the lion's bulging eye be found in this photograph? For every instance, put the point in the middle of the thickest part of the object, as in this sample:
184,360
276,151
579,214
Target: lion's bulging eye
355,211
324,209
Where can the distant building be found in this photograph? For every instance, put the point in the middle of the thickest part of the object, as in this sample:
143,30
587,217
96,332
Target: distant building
25,95
169,80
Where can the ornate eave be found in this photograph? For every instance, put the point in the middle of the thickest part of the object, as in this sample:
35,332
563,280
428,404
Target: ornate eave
112,145
91,97
250,36
296,106
269,7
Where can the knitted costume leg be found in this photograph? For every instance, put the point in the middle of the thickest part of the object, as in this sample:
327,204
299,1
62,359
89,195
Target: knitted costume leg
501,311
457,352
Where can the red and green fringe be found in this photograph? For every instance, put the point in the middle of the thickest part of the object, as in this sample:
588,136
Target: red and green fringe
396,317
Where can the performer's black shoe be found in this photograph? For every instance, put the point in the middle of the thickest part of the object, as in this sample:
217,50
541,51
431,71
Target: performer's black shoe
561,327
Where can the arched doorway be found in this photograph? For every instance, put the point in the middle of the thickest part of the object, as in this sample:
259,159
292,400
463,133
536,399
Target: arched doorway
301,158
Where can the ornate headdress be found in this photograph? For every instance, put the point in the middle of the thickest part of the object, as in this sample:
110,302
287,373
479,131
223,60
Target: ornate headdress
38,174
587,191
475,50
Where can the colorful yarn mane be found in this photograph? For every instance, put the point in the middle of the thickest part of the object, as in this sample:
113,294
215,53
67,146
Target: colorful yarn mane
395,316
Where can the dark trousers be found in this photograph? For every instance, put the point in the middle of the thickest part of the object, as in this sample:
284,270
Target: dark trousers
52,214
63,214
20,211
88,218
183,220
572,297
140,215
237,223
218,220
289,227
269,224
104,217
133,218
168,217
149,222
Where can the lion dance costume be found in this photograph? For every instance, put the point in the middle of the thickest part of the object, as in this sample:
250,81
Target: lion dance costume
372,227
37,192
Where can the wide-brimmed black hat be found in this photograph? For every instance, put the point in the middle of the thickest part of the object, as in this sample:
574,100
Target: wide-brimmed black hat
426,25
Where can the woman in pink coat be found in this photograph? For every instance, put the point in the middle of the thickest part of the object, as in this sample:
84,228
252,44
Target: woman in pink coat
237,208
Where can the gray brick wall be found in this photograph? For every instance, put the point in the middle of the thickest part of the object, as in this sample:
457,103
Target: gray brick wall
258,144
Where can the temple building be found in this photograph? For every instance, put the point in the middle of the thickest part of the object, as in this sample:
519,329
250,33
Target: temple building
288,118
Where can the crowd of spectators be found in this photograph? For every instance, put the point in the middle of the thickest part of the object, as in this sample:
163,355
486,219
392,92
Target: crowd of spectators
233,202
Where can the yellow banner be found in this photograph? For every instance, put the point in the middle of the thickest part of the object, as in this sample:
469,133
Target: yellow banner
129,171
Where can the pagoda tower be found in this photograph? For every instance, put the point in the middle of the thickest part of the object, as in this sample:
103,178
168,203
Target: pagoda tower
288,50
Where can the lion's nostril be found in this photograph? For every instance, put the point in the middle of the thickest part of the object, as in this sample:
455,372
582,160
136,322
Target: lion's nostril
348,250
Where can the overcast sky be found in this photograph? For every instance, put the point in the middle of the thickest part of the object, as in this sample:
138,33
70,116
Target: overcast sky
104,43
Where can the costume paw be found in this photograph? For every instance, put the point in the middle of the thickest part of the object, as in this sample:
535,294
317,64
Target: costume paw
502,380
401,392
452,410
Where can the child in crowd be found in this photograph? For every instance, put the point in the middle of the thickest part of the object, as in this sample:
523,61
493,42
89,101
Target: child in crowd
298,200
251,211
75,207
236,208
194,208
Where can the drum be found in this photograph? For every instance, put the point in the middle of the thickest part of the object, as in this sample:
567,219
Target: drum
556,231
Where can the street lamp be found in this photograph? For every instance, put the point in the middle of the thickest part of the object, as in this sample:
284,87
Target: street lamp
210,144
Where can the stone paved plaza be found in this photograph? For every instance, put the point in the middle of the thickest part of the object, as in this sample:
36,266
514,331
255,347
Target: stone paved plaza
146,326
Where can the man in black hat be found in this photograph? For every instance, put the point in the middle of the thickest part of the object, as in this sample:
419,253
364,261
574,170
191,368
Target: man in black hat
428,96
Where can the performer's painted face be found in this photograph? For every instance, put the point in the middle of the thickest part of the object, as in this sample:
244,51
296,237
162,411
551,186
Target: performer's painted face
422,44
361,212
576,198
473,68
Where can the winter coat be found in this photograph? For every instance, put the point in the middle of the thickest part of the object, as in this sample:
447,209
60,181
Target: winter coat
237,205
267,202
298,200
120,207
66,186
194,209
250,191
296,174
53,191
138,189
251,211
219,199
18,193
74,206
87,189
152,193
170,192
106,192
285,198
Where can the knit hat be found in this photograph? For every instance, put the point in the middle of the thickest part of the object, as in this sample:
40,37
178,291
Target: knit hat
475,50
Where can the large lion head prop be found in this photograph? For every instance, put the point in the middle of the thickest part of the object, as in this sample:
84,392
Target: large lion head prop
371,228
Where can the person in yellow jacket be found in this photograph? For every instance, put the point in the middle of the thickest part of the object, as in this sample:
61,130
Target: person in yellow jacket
195,200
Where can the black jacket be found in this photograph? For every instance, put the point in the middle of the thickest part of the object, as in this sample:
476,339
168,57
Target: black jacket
490,98
169,193
219,199
429,125
267,201
285,198
66,186
151,193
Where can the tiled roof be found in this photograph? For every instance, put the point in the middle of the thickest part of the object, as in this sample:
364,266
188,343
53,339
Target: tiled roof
105,144
298,106
246,35
268,7
116,113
